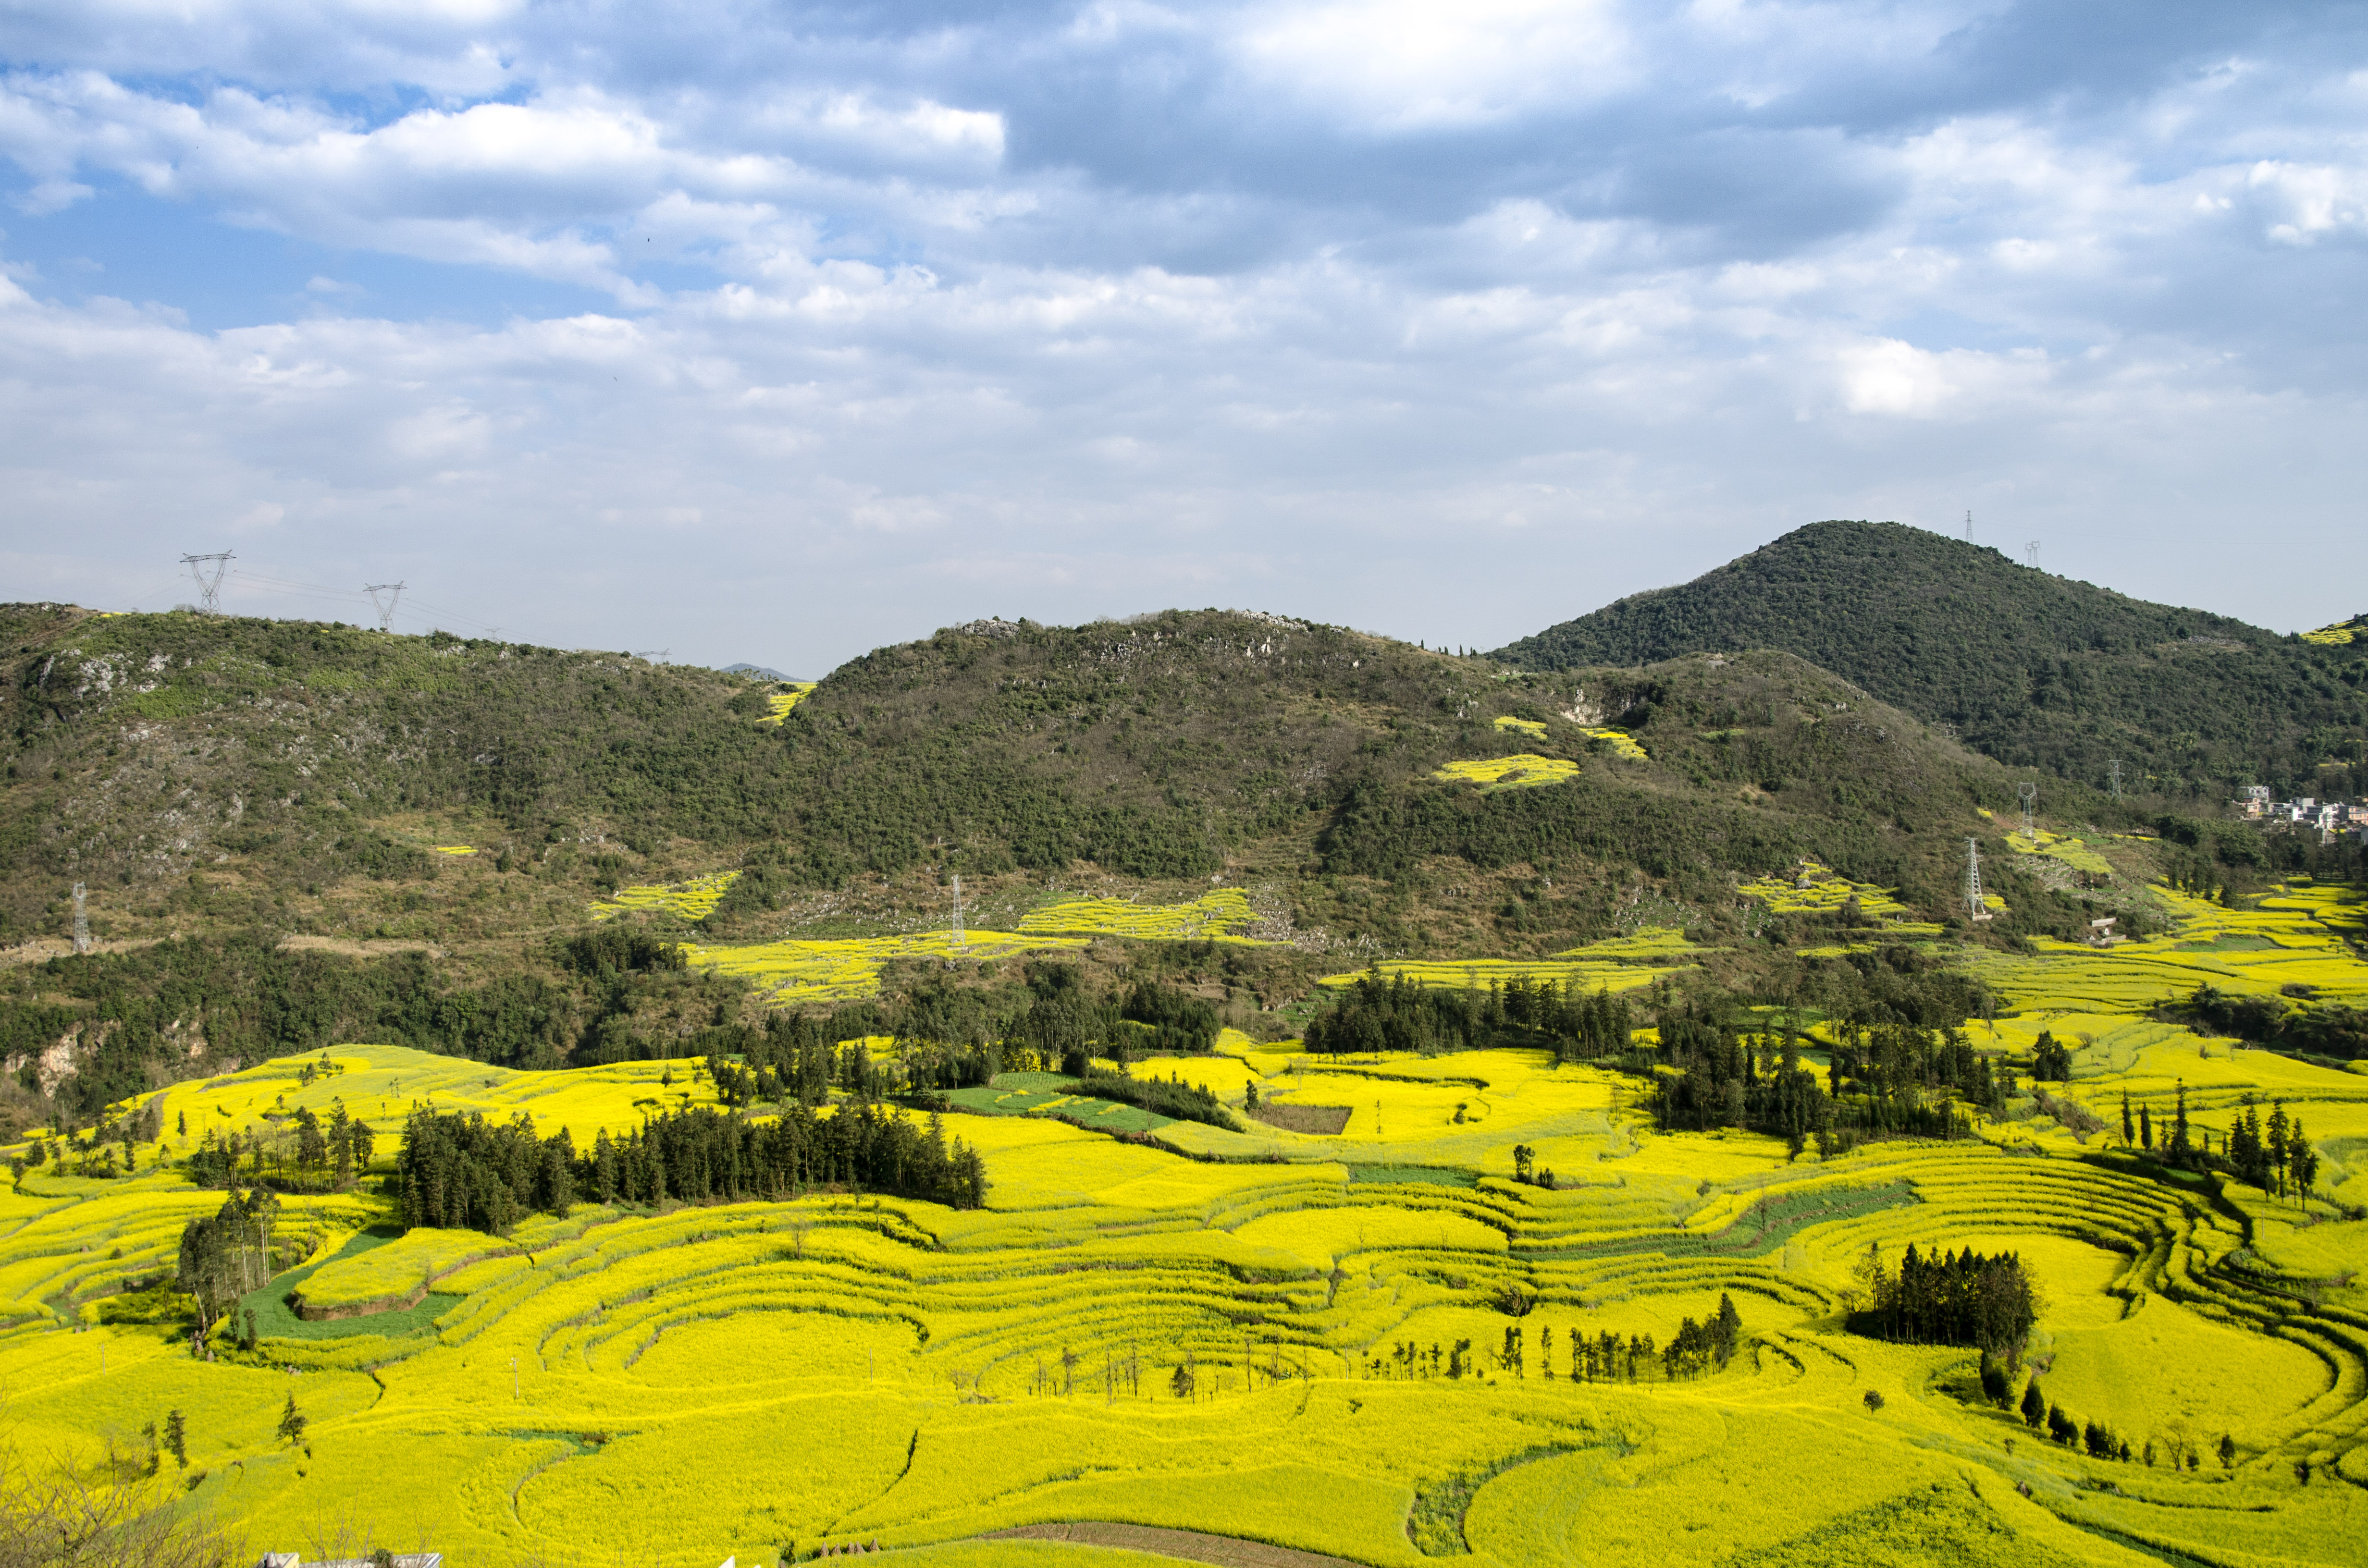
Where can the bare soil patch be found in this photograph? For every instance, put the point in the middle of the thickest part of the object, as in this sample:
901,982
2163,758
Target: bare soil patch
1324,1120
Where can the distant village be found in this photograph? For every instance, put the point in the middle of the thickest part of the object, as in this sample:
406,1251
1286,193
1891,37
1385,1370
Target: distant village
2331,818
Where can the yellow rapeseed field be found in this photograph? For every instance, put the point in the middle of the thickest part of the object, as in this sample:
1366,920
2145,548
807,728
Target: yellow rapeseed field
1508,772
693,900
1252,1334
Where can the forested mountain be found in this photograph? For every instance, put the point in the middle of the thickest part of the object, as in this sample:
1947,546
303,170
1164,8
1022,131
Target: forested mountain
2032,668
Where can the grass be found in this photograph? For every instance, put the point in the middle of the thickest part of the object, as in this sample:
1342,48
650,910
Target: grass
649,1384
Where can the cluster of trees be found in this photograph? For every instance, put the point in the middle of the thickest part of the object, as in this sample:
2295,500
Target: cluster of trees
1951,1298
2294,1022
702,1155
227,1254
1888,1078
2273,1159
1399,1013
93,1152
463,1172
326,1154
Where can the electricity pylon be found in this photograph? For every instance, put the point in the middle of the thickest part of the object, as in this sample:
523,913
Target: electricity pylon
2117,778
958,943
82,922
1979,905
2032,549
2029,794
394,592
208,587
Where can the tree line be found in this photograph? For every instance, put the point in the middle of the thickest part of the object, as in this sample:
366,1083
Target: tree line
463,1172
1376,1014
1603,1357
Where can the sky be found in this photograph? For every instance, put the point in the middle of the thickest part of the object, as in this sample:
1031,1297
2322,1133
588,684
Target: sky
770,332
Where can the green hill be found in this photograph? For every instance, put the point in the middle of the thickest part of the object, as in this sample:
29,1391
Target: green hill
302,833
2034,669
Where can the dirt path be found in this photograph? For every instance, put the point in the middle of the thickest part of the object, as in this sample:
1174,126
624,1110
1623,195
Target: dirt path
1193,1546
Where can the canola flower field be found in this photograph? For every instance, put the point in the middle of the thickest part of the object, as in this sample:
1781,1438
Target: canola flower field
1819,890
1622,743
693,900
1508,772
1233,1334
1214,917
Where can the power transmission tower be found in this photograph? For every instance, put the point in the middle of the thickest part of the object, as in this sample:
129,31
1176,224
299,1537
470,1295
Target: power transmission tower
1979,905
2029,794
82,922
958,943
1969,525
394,592
2117,778
208,587
2032,549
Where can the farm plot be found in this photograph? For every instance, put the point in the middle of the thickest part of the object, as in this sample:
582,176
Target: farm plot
1355,1343
693,900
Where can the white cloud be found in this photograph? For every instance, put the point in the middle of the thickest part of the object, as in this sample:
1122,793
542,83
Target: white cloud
1132,301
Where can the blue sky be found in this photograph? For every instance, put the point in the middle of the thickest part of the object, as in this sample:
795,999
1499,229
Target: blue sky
776,332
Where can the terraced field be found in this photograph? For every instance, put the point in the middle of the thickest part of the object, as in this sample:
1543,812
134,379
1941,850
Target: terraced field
1249,1336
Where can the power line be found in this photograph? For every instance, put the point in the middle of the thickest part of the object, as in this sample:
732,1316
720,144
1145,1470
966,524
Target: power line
385,610
208,587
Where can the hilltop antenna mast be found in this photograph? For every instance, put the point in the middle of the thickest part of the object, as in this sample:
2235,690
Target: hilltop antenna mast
385,607
208,587
2029,794
2032,549
82,922
1975,902
958,943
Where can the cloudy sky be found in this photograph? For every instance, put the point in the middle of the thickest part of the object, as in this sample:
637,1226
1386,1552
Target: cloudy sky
762,330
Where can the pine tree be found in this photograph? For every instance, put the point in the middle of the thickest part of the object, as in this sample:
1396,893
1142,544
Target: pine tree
2129,1129
2275,1147
2034,1405
2304,1161
2181,1150
292,1422
2146,1128
176,1438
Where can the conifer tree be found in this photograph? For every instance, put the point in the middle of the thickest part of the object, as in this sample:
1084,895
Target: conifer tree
292,1422
2034,1405
2275,1147
176,1438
